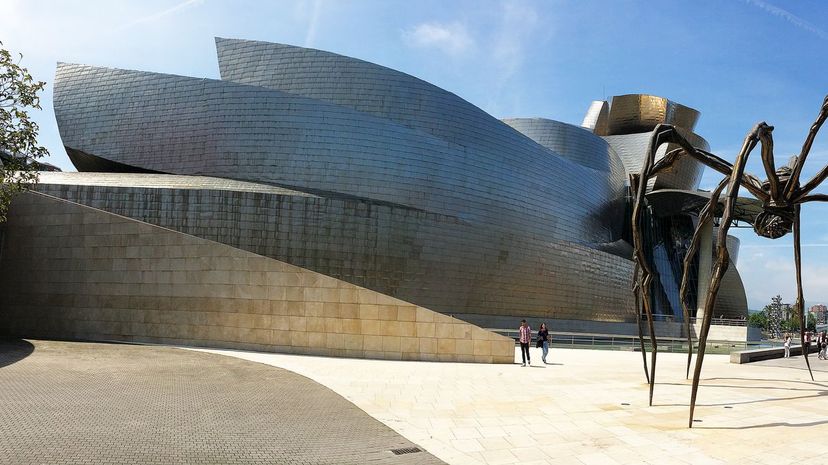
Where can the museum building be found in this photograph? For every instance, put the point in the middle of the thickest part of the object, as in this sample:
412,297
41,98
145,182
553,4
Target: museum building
309,202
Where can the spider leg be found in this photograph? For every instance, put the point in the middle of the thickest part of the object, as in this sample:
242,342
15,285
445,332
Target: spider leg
661,135
637,294
800,300
802,194
791,187
705,216
722,254
767,160
636,287
710,160
813,198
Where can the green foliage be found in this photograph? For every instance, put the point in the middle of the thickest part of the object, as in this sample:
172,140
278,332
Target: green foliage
783,315
18,133
758,320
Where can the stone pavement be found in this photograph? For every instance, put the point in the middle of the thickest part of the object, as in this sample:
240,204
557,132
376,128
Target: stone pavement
84,403
588,407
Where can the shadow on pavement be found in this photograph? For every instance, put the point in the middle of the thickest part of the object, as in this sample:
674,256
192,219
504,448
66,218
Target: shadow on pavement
14,350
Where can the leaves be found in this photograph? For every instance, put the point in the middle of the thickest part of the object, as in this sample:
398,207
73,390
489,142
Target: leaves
18,133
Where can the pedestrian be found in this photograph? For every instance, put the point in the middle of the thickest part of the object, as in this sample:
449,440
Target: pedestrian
525,339
787,345
807,349
543,339
823,346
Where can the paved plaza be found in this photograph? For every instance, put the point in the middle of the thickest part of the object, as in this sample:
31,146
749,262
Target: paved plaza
102,403
588,407
83,403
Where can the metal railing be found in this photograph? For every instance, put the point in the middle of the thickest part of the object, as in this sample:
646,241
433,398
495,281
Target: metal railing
626,342
694,320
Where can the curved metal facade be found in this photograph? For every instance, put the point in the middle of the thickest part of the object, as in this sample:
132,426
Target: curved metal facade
635,113
182,125
362,173
686,172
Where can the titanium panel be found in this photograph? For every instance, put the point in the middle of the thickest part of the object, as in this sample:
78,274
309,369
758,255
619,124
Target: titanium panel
685,173
181,125
634,113
597,118
365,87
731,302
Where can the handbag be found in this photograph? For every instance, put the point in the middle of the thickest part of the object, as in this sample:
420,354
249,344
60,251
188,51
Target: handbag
539,343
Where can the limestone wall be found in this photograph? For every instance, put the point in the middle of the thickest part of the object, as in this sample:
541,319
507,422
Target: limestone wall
70,271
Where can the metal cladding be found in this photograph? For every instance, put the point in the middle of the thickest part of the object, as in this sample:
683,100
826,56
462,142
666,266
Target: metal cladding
597,118
181,125
359,172
627,124
635,113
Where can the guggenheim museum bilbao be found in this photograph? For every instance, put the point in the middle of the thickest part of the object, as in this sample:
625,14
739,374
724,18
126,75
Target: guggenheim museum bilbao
309,202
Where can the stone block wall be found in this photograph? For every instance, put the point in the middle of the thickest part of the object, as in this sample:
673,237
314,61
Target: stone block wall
74,272
435,261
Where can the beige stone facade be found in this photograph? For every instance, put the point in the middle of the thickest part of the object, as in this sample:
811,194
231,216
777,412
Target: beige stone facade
70,271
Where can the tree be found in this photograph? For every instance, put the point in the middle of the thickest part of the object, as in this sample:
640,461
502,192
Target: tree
758,320
18,133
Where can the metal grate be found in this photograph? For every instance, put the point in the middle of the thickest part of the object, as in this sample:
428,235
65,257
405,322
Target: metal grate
406,450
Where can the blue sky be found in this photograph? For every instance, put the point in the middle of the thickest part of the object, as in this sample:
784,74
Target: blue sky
737,61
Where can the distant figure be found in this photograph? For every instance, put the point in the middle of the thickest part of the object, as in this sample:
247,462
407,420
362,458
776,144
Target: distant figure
787,345
822,340
807,348
525,339
543,340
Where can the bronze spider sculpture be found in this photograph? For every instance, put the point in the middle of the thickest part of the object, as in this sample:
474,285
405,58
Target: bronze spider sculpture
781,196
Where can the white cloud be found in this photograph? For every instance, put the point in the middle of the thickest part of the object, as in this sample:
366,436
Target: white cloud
310,36
770,270
452,38
156,16
796,21
518,22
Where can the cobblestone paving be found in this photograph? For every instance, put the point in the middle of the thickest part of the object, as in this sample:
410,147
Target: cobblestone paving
82,403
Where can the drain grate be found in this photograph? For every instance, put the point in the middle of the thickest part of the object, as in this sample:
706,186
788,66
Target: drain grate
406,450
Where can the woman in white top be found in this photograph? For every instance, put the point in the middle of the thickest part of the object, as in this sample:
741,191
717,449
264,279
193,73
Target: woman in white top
787,345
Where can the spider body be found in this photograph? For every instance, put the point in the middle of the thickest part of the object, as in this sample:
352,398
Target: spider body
781,195
774,222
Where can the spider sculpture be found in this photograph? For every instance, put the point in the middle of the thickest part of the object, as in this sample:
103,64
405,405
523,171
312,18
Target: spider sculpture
781,196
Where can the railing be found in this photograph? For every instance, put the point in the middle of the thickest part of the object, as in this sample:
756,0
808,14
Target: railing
722,321
625,342
694,320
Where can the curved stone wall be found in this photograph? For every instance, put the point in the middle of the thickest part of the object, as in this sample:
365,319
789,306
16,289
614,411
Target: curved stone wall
70,271
429,259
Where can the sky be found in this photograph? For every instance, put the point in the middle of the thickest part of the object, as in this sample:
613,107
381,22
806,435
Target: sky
738,62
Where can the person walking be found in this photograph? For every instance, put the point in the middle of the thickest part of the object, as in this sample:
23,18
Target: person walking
543,339
525,338
787,345
823,346
807,349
